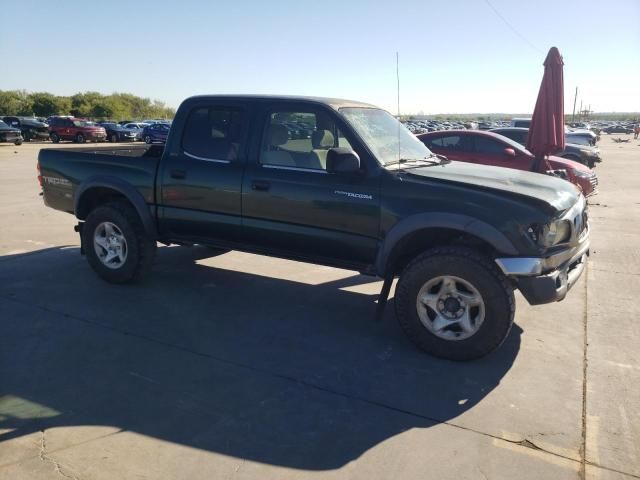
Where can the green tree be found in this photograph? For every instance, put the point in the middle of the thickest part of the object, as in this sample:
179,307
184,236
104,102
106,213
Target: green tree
15,102
45,104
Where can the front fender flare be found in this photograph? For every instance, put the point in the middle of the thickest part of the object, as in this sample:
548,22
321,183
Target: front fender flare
452,221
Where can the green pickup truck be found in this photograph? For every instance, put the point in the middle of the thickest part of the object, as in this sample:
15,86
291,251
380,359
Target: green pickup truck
338,183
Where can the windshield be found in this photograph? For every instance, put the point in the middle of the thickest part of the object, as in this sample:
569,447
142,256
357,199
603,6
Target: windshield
381,131
2,124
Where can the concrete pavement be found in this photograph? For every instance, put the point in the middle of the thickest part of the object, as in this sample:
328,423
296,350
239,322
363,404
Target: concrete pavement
240,366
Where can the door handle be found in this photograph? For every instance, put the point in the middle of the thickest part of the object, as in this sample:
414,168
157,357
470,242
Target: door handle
260,185
179,174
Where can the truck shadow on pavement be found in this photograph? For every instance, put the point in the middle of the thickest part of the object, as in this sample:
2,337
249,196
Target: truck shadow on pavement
247,365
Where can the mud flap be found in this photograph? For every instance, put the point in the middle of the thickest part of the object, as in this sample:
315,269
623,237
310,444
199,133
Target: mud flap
78,228
383,297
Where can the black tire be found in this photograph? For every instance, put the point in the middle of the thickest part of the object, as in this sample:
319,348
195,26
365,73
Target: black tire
80,138
55,138
114,138
26,136
147,140
18,142
140,249
477,270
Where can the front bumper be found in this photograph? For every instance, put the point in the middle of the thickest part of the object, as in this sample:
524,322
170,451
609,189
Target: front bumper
553,286
547,280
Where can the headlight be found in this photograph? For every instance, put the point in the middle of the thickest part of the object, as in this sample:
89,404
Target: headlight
558,231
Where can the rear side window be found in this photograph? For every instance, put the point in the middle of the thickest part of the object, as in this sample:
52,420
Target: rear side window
214,133
453,142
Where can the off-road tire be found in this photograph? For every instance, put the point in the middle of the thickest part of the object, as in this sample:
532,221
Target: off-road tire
141,249
483,274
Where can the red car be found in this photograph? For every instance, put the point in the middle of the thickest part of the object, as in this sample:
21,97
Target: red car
488,148
75,129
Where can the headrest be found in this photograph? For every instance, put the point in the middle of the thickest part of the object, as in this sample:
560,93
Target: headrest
215,133
278,135
322,139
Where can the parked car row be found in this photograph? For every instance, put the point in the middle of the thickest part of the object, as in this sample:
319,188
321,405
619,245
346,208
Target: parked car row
588,155
59,128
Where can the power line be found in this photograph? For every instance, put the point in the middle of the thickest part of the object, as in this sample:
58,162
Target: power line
513,29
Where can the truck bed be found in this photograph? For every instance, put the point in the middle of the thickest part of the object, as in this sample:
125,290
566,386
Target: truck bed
64,170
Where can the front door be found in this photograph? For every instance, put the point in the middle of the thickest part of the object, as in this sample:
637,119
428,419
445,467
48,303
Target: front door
201,177
292,205
491,151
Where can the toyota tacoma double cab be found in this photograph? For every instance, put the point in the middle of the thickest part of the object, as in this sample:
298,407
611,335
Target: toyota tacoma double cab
360,192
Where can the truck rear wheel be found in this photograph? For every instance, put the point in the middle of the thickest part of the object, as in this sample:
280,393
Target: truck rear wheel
454,303
116,244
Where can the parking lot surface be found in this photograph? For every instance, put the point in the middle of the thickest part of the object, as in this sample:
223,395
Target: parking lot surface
240,366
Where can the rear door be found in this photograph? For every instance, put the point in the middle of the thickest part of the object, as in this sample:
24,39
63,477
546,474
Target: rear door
454,146
292,205
200,179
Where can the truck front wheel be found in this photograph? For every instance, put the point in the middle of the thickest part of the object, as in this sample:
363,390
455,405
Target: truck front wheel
115,243
454,303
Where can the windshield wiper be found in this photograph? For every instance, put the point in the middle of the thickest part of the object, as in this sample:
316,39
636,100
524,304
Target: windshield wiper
441,160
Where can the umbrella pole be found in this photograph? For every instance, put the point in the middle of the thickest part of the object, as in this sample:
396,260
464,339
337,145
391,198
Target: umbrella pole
537,163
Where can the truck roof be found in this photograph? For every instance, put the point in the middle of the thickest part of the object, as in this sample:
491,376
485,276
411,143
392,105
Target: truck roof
335,103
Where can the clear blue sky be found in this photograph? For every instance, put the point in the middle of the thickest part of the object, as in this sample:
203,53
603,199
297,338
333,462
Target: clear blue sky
455,55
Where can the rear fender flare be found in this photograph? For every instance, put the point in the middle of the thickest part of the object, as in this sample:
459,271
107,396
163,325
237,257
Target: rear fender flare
125,189
422,221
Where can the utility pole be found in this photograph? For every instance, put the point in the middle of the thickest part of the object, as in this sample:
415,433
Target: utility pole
575,98
579,111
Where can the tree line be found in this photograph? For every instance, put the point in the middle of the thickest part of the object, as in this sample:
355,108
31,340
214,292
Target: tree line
117,106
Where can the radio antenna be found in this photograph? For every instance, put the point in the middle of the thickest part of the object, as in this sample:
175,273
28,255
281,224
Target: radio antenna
398,92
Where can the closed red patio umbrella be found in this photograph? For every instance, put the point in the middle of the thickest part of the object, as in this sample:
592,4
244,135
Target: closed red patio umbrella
546,133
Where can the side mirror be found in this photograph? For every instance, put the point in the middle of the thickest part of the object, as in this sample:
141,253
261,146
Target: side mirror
342,160
509,152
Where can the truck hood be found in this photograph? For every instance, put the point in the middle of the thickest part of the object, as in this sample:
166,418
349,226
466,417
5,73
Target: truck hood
556,193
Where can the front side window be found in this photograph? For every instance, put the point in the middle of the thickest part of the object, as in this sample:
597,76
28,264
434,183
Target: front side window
213,133
300,139
389,140
489,146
